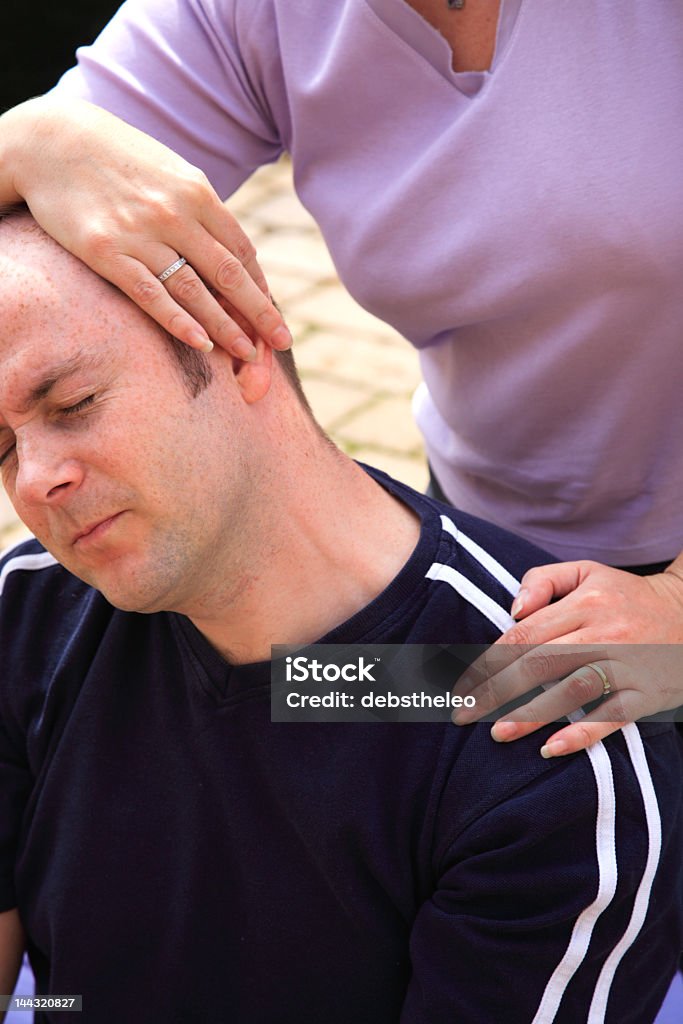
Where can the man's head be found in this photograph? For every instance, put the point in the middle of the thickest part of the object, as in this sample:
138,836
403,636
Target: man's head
137,464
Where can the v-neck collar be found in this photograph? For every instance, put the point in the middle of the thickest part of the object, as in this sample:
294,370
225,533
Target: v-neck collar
426,40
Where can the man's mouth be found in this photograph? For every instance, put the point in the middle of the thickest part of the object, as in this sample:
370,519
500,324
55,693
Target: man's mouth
95,531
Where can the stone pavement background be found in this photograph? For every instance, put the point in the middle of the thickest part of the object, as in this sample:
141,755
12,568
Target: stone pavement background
359,374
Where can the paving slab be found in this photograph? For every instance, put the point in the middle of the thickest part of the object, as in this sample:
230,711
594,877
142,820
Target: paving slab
382,424
300,252
368,365
332,307
287,288
334,402
283,211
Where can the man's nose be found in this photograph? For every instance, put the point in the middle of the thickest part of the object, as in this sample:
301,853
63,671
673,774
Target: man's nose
46,473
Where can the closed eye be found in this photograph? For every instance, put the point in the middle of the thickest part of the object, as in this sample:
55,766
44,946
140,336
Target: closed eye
71,410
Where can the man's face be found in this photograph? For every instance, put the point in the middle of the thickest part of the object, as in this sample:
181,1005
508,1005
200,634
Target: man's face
127,480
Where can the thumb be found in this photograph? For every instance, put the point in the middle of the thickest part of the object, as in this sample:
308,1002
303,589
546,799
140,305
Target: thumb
544,584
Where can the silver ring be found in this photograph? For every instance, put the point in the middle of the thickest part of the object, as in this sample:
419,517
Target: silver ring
606,685
165,274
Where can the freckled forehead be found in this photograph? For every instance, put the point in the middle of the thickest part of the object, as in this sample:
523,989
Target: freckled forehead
49,299
37,275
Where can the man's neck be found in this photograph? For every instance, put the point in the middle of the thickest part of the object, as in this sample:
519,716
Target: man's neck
330,540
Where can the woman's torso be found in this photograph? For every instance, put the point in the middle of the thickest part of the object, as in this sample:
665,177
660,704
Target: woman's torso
520,225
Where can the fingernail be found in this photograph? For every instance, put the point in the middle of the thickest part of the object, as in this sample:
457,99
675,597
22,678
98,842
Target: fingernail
244,349
463,718
554,748
518,603
201,341
281,339
503,731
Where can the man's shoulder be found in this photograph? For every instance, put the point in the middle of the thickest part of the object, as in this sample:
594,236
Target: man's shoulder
30,574
43,610
468,574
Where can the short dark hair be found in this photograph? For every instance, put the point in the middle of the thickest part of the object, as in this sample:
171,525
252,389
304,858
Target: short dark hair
194,366
286,361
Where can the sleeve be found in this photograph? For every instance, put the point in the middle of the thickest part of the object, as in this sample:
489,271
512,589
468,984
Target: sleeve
198,75
560,903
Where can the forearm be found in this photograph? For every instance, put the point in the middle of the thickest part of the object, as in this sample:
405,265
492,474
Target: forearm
20,136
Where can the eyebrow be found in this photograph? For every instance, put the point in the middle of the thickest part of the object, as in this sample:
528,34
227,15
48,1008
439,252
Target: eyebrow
39,391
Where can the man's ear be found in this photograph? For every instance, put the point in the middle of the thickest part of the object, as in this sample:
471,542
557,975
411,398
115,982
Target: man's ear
253,377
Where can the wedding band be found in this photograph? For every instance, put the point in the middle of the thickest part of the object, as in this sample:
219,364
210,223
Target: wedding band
606,685
165,274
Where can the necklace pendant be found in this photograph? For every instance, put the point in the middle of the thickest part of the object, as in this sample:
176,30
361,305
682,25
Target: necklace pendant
456,5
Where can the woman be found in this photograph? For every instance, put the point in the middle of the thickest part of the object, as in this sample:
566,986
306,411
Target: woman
498,180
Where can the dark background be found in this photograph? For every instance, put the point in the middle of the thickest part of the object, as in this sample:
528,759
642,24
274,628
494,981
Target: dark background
38,39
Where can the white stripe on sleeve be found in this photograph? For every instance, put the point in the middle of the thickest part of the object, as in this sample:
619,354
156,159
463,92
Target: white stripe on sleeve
491,564
481,601
607,884
636,749
43,560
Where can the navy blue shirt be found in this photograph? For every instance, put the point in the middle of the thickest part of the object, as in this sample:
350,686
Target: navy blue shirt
176,856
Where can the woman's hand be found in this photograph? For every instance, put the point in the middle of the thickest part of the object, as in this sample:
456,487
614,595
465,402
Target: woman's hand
612,635
129,207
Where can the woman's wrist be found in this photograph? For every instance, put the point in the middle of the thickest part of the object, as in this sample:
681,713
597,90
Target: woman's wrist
20,139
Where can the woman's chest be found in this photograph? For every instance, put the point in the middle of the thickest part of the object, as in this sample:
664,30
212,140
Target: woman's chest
470,30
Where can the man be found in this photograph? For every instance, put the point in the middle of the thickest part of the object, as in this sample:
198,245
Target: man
170,852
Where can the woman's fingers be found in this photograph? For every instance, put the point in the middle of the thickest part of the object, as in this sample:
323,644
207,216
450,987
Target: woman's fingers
184,305
545,583
221,225
572,738
530,668
560,700
578,736
223,272
188,291
141,285
224,259
568,740
529,654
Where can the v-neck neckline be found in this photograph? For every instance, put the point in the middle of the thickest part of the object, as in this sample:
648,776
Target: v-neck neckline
416,32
